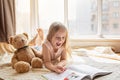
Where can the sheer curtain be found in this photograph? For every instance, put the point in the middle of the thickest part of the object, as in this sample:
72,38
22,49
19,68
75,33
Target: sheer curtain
50,11
26,17
22,16
33,14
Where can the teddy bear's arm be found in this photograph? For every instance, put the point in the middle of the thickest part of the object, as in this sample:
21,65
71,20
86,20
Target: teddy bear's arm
14,60
37,54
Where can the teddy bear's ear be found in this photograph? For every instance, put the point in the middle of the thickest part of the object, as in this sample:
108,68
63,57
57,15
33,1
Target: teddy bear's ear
11,40
25,35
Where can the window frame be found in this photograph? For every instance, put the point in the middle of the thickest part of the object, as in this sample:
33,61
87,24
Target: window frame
35,20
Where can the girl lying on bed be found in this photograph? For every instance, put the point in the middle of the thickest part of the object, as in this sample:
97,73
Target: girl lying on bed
55,48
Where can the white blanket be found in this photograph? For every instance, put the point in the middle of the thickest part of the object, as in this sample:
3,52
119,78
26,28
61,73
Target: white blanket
7,73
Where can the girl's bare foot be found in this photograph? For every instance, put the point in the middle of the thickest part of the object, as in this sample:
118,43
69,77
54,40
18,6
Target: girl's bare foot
38,39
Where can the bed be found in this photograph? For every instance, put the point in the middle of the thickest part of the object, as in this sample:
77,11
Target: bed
7,73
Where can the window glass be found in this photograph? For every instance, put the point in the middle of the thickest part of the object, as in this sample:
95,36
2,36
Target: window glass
116,3
82,17
50,11
111,18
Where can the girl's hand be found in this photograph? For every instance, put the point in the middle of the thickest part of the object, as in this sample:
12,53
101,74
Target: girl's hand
59,69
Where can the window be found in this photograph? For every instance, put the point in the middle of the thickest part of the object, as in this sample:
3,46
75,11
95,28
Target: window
115,15
116,3
50,11
105,5
115,26
83,17
105,29
110,18
22,16
104,17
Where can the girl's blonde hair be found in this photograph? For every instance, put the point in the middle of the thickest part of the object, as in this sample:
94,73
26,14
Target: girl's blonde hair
54,28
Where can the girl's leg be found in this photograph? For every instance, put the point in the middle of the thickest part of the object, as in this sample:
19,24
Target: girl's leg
38,39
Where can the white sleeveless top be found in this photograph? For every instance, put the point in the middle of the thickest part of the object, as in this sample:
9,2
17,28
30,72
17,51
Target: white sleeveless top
54,55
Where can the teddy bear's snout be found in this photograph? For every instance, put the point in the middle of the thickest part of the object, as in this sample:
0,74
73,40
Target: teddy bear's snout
22,40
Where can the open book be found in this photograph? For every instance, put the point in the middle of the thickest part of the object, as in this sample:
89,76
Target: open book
77,72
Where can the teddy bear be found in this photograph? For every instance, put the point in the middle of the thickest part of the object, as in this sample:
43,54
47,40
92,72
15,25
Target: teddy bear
24,56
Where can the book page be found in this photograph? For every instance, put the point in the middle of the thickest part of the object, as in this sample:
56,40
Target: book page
67,75
92,71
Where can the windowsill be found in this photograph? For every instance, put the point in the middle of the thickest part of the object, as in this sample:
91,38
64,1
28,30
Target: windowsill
96,41
95,38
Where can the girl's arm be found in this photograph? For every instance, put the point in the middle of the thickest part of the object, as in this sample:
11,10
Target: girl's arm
47,58
63,59
48,64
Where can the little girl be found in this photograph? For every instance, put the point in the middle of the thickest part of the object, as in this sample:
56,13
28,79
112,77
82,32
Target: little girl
55,48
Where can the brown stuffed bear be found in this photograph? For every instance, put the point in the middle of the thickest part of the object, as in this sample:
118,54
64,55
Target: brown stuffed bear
24,56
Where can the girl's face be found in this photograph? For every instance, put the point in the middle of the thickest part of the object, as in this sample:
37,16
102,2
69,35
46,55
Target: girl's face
58,39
